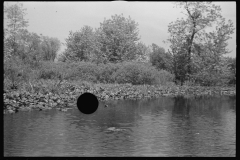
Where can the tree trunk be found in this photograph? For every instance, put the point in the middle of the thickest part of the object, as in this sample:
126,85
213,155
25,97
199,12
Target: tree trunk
189,43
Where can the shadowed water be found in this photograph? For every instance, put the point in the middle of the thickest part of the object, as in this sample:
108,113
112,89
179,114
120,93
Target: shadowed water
158,127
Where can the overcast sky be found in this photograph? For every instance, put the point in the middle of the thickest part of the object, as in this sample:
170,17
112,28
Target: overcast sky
56,19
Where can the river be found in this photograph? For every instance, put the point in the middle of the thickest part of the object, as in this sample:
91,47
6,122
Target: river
171,127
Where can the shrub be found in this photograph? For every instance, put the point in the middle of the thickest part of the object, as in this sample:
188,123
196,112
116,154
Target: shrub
59,70
68,71
106,72
138,73
49,70
87,71
13,73
164,77
213,77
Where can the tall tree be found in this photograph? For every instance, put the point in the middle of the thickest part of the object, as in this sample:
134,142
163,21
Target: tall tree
50,47
180,64
80,44
29,46
161,59
117,38
231,63
142,52
14,22
188,36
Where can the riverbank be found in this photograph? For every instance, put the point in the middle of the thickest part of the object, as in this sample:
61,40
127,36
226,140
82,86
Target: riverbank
64,95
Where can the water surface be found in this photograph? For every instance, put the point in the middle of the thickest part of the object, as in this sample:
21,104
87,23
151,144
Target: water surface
157,127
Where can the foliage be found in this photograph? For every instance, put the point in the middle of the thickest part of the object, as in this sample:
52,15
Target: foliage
11,72
13,23
114,41
139,73
181,65
117,38
113,54
164,77
87,71
57,71
231,63
80,44
50,47
18,41
189,37
106,72
50,71
142,52
62,57
215,74
160,59
16,72
29,49
127,72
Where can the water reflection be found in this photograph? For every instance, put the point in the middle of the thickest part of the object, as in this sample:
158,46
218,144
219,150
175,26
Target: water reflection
199,126
158,127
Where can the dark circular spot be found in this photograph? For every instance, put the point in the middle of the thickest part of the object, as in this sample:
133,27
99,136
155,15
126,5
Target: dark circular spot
87,103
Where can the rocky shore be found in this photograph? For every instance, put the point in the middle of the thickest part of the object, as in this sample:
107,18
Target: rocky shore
66,98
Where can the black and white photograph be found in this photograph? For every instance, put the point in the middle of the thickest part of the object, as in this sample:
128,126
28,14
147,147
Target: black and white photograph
119,78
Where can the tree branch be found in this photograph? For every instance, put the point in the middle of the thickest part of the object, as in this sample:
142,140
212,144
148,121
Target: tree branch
189,11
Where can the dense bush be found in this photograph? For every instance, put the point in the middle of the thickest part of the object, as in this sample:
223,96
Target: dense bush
215,74
87,71
106,72
212,79
140,73
127,72
164,77
161,59
13,73
49,71
60,70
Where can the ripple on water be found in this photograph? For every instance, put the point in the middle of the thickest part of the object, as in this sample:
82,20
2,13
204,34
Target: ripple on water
160,127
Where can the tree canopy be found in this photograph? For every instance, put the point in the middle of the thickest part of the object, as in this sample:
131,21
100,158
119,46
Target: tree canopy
115,40
22,44
190,36
14,23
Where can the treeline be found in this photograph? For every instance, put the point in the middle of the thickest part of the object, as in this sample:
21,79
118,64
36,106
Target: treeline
113,53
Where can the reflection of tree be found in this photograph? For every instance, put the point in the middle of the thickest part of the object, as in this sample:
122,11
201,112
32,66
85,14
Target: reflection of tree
204,130
181,107
232,102
205,125
182,129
